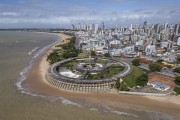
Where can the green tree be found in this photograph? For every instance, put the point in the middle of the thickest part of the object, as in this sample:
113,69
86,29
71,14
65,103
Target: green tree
178,59
117,84
69,54
142,80
177,70
106,55
53,57
177,90
155,67
177,80
165,49
121,86
136,62
160,61
93,53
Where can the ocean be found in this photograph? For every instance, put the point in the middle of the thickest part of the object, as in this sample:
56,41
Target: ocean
18,53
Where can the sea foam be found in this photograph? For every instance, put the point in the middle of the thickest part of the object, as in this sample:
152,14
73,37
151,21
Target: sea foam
64,101
22,77
24,72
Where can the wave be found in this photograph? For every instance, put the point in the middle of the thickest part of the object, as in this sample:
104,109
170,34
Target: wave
93,109
23,77
68,102
33,51
106,108
63,100
24,72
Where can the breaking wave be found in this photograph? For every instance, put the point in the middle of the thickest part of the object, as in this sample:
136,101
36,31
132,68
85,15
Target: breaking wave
64,101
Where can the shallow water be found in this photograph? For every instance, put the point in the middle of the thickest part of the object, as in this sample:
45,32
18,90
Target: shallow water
16,103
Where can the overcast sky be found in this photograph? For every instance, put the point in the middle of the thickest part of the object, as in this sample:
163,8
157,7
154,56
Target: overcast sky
63,13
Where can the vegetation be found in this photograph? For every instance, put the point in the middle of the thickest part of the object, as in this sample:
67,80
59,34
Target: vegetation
114,71
67,33
155,67
70,54
53,57
121,86
160,60
178,59
69,51
107,55
130,80
177,90
83,55
136,62
177,70
115,65
71,64
99,60
59,45
177,80
93,77
93,53
165,49
105,74
142,80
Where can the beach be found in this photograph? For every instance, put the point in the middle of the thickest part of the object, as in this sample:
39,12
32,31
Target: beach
36,81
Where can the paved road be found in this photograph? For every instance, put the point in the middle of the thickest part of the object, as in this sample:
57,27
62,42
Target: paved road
55,73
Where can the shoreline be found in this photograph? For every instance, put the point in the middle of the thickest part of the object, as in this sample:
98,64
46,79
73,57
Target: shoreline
36,81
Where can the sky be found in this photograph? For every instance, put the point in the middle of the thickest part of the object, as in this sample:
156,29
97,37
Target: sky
63,13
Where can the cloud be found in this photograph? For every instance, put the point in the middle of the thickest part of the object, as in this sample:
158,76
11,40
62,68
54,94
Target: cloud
120,1
3,14
39,12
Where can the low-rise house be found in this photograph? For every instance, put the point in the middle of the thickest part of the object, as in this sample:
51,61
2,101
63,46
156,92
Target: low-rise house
122,50
159,86
169,64
169,57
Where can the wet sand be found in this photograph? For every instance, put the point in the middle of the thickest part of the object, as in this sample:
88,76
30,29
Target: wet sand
36,81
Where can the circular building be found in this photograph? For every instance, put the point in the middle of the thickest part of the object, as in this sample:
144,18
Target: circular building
87,74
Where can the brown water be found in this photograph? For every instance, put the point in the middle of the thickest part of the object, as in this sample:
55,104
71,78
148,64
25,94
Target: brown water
18,104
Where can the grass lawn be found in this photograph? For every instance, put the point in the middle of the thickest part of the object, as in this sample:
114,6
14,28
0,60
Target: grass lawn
99,60
114,71
105,74
70,65
114,65
94,77
130,80
83,55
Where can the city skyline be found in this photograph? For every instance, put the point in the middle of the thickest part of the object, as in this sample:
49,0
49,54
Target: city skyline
43,13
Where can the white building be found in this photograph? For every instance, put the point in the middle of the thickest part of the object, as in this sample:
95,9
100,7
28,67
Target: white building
167,44
96,28
114,42
159,86
140,42
178,41
150,49
125,50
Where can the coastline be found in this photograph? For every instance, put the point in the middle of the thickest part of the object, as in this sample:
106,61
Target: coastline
36,81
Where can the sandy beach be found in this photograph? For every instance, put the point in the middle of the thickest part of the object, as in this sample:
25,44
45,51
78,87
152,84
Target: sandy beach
36,81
